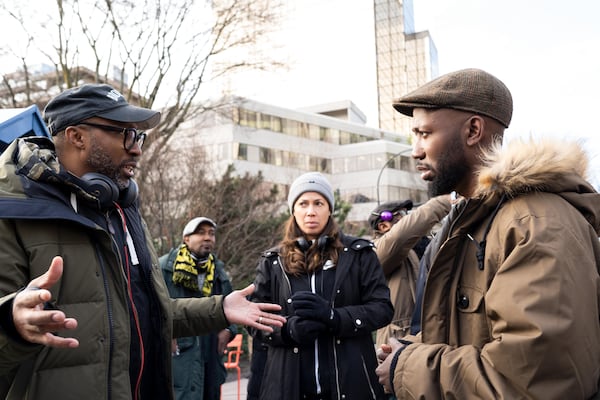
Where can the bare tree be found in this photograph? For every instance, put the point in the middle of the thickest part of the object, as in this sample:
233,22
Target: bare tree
248,211
156,52
160,54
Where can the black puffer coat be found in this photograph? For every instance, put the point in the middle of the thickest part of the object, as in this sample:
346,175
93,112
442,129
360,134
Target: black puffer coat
361,298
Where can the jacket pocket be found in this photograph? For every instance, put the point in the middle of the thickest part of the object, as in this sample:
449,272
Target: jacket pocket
473,325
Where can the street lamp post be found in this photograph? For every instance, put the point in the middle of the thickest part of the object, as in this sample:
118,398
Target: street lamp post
389,160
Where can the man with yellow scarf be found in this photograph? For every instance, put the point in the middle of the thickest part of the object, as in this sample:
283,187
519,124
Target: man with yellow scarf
192,270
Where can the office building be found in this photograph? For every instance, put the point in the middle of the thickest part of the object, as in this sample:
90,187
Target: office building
405,59
367,52
365,164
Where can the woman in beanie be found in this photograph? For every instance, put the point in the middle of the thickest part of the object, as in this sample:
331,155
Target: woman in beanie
333,293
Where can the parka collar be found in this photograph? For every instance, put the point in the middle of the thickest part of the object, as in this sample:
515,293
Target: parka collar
546,165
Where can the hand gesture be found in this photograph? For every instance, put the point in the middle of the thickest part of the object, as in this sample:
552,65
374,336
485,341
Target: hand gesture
310,305
36,324
238,310
223,337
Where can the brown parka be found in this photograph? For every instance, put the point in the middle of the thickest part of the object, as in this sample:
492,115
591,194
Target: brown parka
401,264
523,322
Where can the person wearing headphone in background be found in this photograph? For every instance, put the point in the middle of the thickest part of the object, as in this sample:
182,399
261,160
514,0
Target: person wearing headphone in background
396,232
333,293
84,311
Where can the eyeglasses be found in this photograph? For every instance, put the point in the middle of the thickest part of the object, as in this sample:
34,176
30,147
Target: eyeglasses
389,215
131,136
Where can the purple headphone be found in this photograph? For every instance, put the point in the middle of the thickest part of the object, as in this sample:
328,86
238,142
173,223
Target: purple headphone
388,215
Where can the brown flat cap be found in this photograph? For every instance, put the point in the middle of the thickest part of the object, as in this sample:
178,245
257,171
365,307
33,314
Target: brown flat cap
471,90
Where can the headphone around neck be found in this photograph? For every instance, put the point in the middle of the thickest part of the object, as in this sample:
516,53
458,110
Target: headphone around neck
304,244
107,192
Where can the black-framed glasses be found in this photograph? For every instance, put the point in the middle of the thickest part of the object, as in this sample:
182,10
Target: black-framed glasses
131,136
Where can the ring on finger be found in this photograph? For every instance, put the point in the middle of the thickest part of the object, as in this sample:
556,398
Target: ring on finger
260,320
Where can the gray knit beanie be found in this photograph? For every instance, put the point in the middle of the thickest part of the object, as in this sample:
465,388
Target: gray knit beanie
310,182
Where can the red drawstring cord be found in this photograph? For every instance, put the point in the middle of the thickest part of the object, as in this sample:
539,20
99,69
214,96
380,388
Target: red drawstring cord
135,313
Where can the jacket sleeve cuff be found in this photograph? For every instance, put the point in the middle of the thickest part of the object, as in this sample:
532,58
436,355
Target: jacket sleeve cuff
394,363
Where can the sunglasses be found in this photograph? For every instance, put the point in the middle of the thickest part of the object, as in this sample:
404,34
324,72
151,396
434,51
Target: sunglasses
131,136
389,215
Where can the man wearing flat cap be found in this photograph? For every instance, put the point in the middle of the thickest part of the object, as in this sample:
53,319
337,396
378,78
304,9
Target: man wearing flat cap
395,235
84,311
510,294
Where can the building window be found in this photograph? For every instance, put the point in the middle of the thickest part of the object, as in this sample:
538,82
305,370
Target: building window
407,164
265,155
289,127
240,151
248,118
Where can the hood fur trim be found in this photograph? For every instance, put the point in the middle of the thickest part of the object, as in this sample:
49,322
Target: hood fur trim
529,165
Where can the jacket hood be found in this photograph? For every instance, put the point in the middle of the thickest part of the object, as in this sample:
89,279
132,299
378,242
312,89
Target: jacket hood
35,158
546,165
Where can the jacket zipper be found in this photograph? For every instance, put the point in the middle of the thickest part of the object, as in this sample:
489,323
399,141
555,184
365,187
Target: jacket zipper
312,282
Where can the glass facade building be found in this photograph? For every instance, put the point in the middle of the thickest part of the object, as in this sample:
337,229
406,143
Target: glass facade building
405,59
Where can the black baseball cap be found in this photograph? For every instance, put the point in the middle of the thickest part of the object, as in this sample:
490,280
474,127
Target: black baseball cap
75,105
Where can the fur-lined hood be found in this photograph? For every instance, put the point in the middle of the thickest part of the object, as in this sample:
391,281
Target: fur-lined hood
546,165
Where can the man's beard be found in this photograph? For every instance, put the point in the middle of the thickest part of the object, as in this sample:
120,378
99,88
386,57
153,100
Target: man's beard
100,161
451,170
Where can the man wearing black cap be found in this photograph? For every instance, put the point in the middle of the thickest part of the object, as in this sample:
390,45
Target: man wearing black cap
395,234
511,300
84,312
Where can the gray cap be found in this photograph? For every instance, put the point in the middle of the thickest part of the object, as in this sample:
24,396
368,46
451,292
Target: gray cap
75,105
471,90
191,226
311,182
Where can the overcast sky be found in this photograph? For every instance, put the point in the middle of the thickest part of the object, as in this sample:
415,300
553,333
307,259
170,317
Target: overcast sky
545,51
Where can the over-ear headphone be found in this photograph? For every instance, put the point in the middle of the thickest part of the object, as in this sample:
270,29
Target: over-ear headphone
107,192
304,244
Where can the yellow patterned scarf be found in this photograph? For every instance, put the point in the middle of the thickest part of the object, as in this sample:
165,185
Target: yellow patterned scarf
185,271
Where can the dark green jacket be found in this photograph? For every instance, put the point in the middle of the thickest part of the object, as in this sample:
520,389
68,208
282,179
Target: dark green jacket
198,363
38,222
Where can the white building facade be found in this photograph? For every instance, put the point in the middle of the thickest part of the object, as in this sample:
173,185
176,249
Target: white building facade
364,164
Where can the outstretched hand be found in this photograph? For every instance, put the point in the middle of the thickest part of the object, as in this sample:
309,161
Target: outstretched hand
32,321
238,310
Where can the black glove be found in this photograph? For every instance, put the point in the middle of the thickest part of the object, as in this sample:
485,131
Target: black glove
302,330
313,306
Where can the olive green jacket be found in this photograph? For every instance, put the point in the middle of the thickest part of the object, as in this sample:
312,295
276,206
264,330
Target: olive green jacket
38,222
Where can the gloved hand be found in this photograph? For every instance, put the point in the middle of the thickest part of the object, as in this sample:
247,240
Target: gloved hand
310,305
302,330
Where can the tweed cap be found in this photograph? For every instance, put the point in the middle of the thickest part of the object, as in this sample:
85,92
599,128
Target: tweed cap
471,90
393,207
311,182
